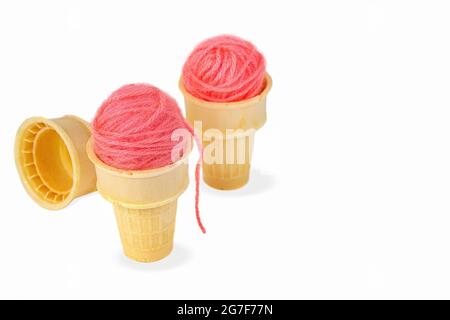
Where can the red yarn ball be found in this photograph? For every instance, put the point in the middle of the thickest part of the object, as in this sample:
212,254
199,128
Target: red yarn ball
132,129
224,69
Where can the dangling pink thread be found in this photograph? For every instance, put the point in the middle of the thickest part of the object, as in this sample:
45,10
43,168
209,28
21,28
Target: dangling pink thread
133,128
224,69
198,167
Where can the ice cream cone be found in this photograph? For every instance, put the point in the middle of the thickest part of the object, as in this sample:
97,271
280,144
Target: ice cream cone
51,160
247,116
145,204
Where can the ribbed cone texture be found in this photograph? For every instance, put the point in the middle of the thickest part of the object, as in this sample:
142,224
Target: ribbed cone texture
228,176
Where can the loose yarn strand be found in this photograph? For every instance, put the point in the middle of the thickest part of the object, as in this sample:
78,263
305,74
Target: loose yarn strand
198,167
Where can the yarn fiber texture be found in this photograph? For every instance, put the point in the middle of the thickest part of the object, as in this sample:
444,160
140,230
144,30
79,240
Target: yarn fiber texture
132,130
133,127
224,69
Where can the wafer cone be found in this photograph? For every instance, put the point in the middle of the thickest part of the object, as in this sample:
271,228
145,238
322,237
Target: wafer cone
247,115
51,160
145,205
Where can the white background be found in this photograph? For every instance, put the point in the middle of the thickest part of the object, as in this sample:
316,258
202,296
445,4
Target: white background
349,194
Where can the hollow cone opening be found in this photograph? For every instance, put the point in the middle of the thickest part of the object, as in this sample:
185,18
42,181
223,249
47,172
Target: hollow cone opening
45,163
52,161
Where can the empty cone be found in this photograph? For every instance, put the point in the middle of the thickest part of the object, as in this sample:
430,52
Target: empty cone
51,160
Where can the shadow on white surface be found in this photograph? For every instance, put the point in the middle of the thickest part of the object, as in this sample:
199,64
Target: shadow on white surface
179,256
258,183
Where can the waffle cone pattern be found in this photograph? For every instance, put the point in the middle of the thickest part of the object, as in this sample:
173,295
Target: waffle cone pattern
146,234
145,205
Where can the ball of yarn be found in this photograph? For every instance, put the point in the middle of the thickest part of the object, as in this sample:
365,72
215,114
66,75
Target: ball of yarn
224,69
132,129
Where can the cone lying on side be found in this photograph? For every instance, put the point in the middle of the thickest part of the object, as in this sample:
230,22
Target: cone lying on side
52,162
232,170
145,205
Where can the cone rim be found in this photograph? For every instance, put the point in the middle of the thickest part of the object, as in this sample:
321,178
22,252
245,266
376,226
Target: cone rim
227,105
20,135
133,174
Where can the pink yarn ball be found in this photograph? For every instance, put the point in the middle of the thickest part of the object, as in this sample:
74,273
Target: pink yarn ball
224,69
132,129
